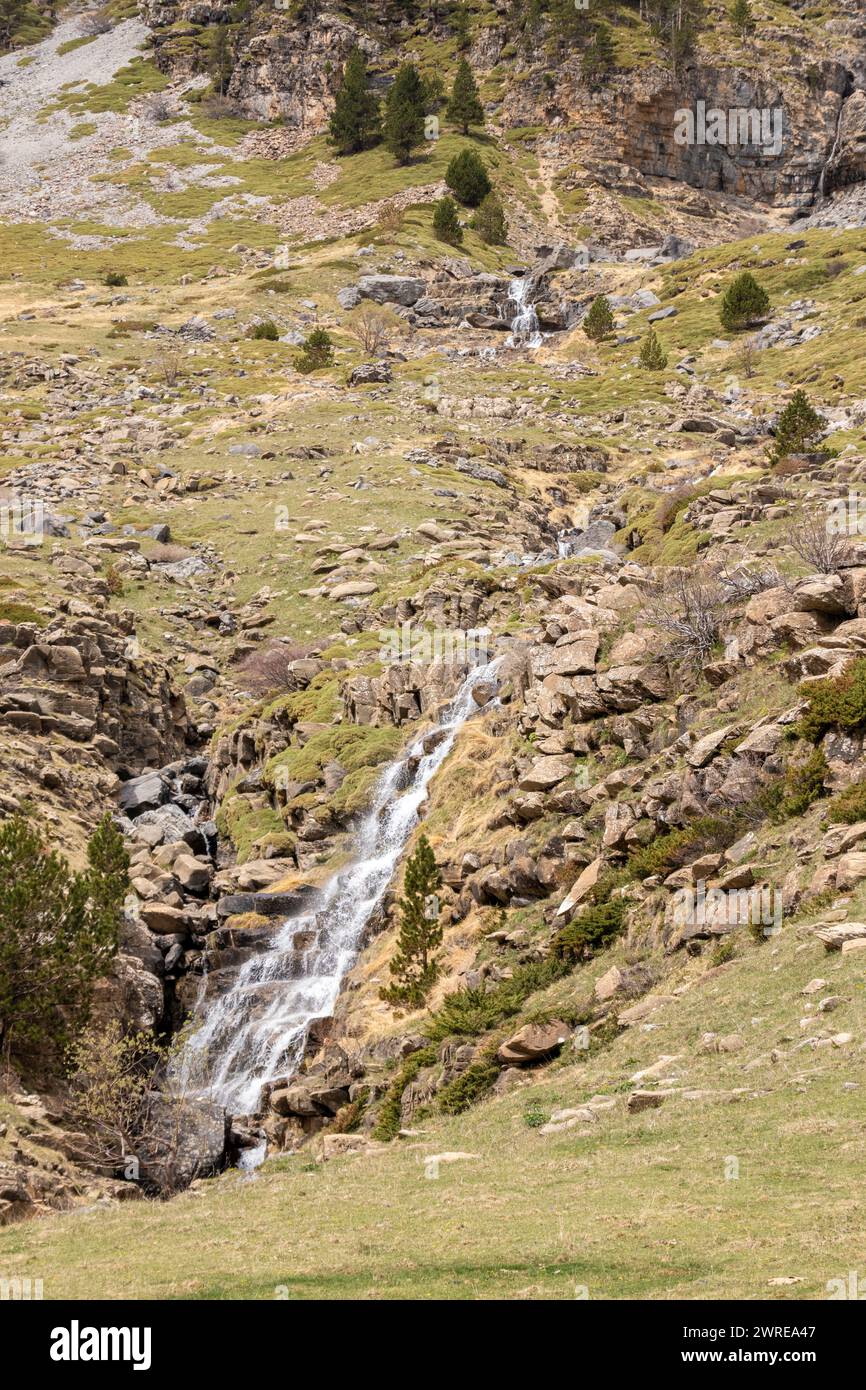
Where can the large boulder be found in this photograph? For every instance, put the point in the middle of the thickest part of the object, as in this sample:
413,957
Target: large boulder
533,1043
370,373
143,794
185,1139
391,289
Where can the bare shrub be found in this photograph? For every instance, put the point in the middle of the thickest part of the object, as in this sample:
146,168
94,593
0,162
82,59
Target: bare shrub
687,605
110,1078
391,217
220,108
168,362
114,580
741,581
267,668
158,108
372,326
822,550
671,504
135,1117
747,357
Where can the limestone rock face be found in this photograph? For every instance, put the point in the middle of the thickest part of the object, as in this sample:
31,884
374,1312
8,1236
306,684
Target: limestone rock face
289,69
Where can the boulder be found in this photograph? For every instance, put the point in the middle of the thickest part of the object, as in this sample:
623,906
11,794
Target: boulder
587,881
164,919
186,1139
645,1100
836,935
533,1043
607,985
391,289
266,904
851,869
545,773
143,793
192,874
370,373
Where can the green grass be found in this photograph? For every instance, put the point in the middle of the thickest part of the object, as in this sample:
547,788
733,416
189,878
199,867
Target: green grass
638,1206
71,44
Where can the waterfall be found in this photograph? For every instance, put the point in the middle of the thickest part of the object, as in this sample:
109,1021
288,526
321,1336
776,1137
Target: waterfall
525,331
257,1030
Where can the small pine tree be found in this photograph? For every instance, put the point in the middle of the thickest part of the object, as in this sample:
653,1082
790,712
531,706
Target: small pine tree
490,223
676,26
354,123
58,932
600,55
599,321
464,108
317,352
568,22
414,966
446,223
459,21
403,126
109,866
798,427
743,303
467,178
652,355
264,332
220,59
742,18
12,13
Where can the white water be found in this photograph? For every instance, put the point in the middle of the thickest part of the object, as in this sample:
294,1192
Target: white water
525,331
258,1030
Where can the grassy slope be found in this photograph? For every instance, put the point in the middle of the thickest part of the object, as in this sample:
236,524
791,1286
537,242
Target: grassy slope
638,1207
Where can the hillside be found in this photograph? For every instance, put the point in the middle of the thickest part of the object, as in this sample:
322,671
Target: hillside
585,612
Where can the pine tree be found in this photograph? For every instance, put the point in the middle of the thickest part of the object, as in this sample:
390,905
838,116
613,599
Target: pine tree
404,113
459,21
317,352
446,223
354,123
109,866
652,354
489,221
798,427
11,15
58,932
742,18
467,177
600,55
599,321
220,59
675,25
414,966
464,108
568,22
743,303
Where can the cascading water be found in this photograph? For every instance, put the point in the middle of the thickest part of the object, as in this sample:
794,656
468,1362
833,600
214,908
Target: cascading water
525,331
257,1030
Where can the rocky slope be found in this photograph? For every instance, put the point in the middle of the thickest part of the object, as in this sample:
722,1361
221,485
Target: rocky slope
202,636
